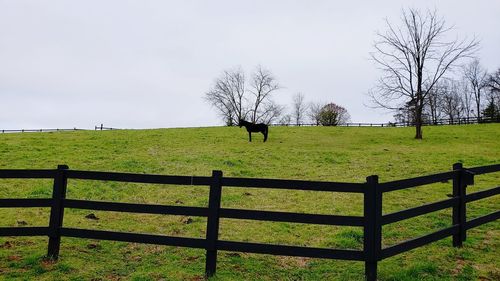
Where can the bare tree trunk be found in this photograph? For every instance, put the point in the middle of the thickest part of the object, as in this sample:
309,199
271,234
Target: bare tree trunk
418,126
419,104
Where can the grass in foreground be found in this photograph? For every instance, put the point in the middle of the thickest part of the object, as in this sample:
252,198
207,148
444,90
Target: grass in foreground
309,153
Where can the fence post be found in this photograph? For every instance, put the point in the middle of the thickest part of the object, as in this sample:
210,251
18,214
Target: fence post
461,179
57,211
213,223
458,210
372,227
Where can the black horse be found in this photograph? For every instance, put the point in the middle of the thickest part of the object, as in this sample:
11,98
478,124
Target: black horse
251,127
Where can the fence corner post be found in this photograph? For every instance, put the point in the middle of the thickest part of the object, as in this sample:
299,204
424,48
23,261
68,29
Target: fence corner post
57,211
372,240
213,223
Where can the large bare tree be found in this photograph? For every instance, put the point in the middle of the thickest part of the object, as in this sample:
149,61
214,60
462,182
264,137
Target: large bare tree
228,95
233,101
412,55
299,108
477,78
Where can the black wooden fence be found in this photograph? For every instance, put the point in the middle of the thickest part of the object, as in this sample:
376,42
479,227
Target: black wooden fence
372,220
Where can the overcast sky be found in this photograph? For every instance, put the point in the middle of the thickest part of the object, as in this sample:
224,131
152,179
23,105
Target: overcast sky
147,64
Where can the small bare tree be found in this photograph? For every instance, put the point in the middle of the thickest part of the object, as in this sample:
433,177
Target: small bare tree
270,113
432,107
476,76
285,120
227,95
414,55
299,108
451,101
467,97
263,85
315,112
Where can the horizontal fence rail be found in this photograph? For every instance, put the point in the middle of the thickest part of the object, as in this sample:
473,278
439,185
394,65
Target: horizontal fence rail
291,217
136,208
290,250
415,182
138,178
371,221
24,231
134,237
27,174
418,242
418,211
294,184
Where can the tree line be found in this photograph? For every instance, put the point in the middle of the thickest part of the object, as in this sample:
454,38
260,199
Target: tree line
419,62
475,94
236,98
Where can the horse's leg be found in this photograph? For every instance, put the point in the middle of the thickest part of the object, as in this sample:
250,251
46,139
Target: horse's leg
265,134
249,136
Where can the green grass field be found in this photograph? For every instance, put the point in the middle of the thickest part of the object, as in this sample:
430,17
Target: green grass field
308,153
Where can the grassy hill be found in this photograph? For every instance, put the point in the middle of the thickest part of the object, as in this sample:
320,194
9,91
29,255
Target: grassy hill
309,153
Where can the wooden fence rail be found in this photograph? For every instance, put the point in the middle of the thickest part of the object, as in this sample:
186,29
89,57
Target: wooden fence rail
371,221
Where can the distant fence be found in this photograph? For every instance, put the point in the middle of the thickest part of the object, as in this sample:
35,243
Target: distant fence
371,221
96,128
457,121
40,130
102,128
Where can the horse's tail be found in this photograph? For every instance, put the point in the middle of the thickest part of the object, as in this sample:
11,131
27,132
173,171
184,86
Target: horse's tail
265,133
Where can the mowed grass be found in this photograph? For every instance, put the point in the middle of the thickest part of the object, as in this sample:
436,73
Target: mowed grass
308,153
